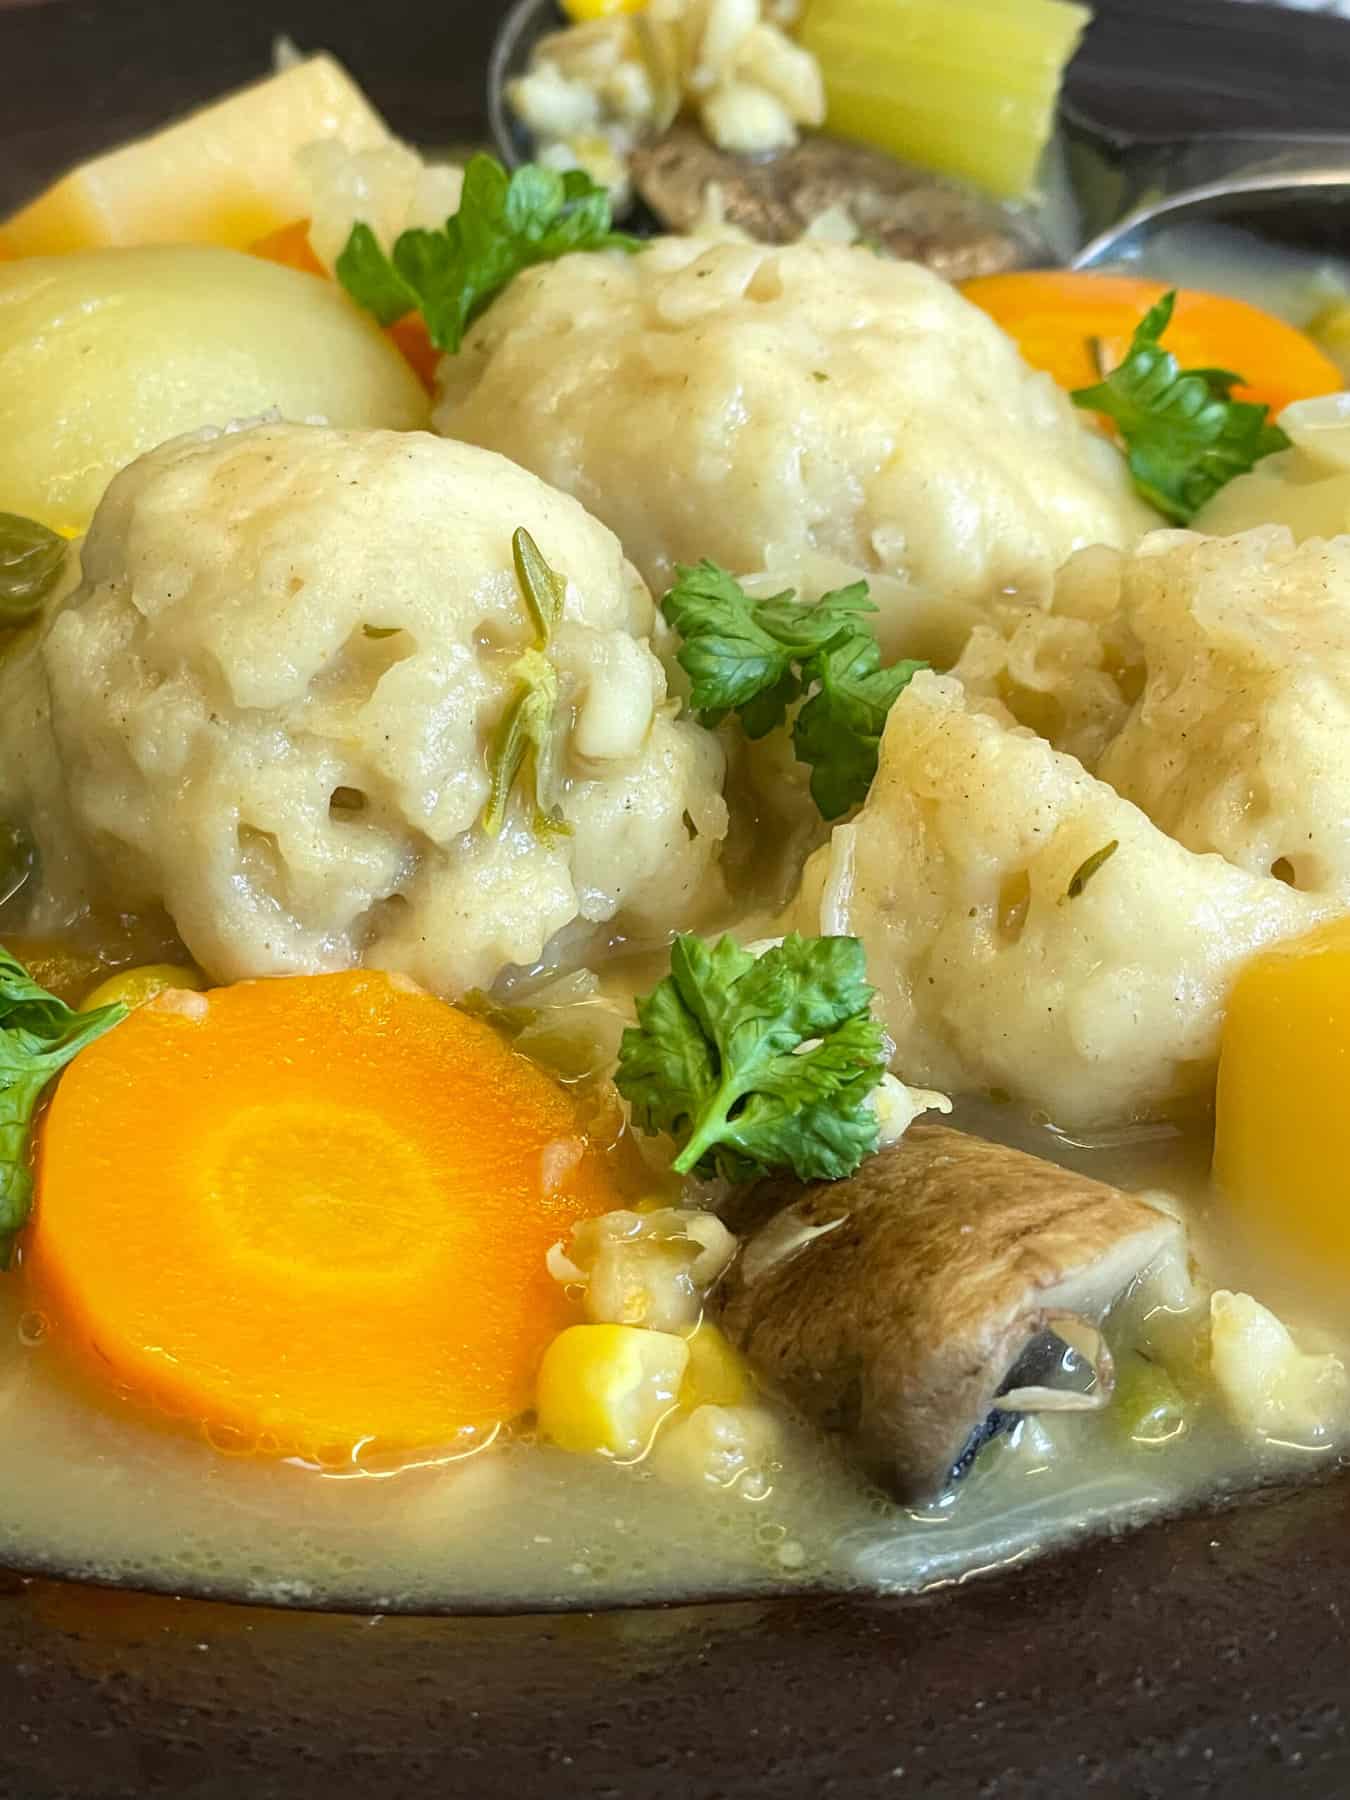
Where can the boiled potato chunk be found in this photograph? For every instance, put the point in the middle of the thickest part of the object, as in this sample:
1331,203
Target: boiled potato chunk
1282,1146
106,354
224,175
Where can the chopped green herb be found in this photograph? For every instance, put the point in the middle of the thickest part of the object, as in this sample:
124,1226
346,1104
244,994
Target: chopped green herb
521,751
505,223
31,560
754,1064
1184,435
757,658
1088,868
39,1035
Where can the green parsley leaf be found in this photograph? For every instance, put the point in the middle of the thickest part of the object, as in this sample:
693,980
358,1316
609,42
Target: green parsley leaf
1184,435
754,1064
39,1035
757,658
838,731
505,223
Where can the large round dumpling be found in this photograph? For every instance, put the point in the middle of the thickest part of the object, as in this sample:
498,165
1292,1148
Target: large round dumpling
275,696
816,411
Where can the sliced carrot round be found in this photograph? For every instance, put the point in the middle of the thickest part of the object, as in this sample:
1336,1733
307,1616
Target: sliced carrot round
1076,326
313,1212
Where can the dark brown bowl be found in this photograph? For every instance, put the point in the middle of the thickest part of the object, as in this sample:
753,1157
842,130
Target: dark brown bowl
1207,1656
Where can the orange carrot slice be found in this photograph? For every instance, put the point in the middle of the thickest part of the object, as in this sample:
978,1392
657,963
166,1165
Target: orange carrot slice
1077,326
290,246
311,1212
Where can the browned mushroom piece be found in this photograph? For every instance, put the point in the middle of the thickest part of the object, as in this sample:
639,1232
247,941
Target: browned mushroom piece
909,212
950,1281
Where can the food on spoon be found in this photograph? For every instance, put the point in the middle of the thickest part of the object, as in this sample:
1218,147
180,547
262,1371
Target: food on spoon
1280,1130
225,175
1076,325
178,338
39,1035
964,87
893,1308
759,658
1205,679
828,188
956,875
349,1162
814,410
595,92
274,705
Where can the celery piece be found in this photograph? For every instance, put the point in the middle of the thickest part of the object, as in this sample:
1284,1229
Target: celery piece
963,87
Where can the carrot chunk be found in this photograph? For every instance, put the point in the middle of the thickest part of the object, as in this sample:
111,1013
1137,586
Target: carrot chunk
1077,326
290,246
312,1212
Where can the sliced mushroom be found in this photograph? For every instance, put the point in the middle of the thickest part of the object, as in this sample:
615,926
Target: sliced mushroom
950,1283
909,212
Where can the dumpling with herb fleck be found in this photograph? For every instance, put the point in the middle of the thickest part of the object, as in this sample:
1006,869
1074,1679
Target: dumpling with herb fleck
338,697
1029,930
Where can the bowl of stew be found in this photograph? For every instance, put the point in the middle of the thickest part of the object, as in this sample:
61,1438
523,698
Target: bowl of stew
674,971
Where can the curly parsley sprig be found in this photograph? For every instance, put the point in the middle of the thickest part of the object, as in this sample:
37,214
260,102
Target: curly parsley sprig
757,658
505,223
753,1064
39,1035
1184,435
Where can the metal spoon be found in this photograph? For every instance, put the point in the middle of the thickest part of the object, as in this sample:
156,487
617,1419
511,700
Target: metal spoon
1310,208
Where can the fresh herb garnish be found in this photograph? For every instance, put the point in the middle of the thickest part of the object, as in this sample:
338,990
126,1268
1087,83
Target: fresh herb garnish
39,1035
1089,867
505,223
753,1064
757,658
31,560
1184,435
521,751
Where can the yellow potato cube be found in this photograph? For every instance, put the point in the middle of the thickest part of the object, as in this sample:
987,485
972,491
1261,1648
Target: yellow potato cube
1282,1138
106,354
604,1389
224,175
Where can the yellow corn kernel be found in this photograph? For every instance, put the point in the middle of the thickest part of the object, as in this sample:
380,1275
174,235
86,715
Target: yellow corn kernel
604,1389
1282,1132
583,10
133,987
718,1375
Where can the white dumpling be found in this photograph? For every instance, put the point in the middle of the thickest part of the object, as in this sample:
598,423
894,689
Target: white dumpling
1208,681
272,696
816,411
958,875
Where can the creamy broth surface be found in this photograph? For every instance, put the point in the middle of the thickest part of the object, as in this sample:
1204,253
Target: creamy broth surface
93,1486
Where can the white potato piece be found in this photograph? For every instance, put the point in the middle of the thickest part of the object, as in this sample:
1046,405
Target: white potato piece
107,353
1270,1388
268,707
794,409
956,874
